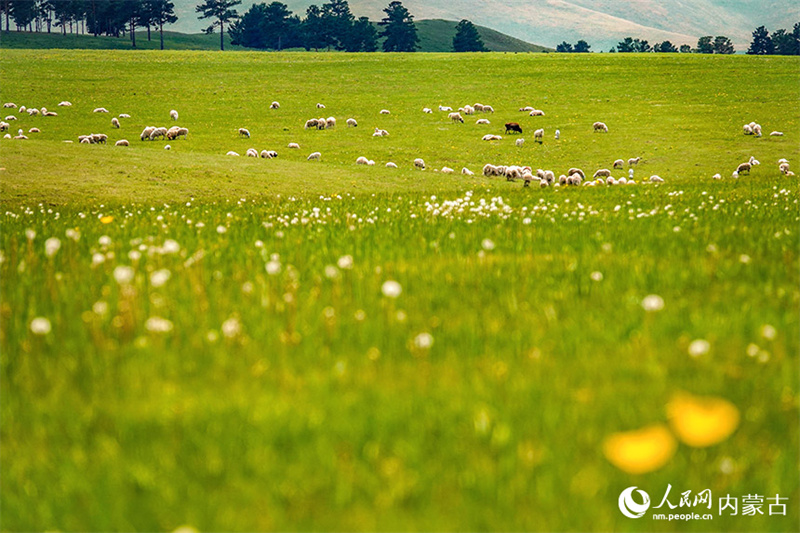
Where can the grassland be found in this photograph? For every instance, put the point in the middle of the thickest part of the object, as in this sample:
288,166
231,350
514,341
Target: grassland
222,351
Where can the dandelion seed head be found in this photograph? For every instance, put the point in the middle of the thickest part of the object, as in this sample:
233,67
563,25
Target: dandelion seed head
596,276
40,326
160,277
231,328
52,246
487,244
345,262
768,332
423,341
124,274
653,302
273,267
699,347
156,324
391,289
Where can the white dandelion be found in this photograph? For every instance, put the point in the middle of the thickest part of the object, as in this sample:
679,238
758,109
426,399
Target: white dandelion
653,302
391,289
123,274
699,347
423,341
160,277
52,246
40,326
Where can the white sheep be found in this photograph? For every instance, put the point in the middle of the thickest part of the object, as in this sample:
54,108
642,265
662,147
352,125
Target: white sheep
182,131
47,113
293,146
124,115
122,142
173,114
4,126
391,165
603,172
558,134
527,108
274,105
782,160
158,132
519,142
490,137
776,134
656,179
23,109
536,113
456,117
487,109
427,110
468,110
538,135
322,123
10,118
747,129
419,163
269,154
362,160
167,147
634,161
330,122
244,132
63,104
447,170
482,121
100,138
385,112
115,122
600,126
34,130
380,133
146,132
467,172
311,123
716,177
619,163
100,110
351,123
784,167
314,156
371,163
11,105
445,108
33,111
753,161
232,153
735,174
757,130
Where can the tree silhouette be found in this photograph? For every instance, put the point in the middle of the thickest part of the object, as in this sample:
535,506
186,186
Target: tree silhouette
723,45
762,43
582,47
398,29
467,38
704,45
220,10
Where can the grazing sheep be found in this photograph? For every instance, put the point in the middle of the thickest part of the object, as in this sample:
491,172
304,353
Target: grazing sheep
447,170
99,138
487,109
527,108
391,165
619,163
513,127
575,179
634,161
783,167
244,132
735,174
46,113
776,134
167,147
427,110
4,126
12,105
549,175
543,184
115,122
482,121
23,109
122,142
10,118
380,133
351,123
558,134
124,115
232,153
743,167
274,105
100,110
34,130
747,129
173,114
536,113
468,110
314,156
320,106
456,117
146,132
158,132
782,160
311,123
251,152
599,126
293,145
385,112
33,111
656,179
519,142
610,181
512,173
269,154
419,163
85,140
757,130
716,177
753,161
330,122
538,135
322,123
362,160
467,172
789,173
445,108
490,137
604,172
63,104
578,171
20,137
370,163
182,131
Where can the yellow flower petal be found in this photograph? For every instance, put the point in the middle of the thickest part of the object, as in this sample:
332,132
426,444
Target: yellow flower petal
107,220
702,421
642,450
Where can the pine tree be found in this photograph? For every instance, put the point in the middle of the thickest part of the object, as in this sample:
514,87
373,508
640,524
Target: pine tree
161,12
364,36
626,45
582,47
564,47
338,21
665,48
704,45
313,29
220,10
723,45
762,43
685,49
398,29
786,43
467,38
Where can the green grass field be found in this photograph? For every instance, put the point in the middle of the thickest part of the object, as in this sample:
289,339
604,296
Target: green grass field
221,348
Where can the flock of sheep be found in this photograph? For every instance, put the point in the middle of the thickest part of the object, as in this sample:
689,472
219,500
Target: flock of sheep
545,178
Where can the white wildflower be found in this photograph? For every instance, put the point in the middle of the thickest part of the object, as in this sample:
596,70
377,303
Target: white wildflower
40,326
487,244
345,262
52,246
768,332
423,341
231,328
391,289
653,302
160,277
699,347
156,324
123,274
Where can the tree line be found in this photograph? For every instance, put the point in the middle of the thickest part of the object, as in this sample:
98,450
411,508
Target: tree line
781,42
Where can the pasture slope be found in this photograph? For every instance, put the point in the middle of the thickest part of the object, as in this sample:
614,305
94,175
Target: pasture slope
195,339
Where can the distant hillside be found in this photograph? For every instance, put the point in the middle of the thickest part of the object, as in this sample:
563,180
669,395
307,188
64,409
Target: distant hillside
434,36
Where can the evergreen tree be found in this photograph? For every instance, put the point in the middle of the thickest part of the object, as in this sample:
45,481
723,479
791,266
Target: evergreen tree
685,49
626,46
22,12
467,38
161,12
723,45
564,47
641,46
338,23
665,48
364,36
762,43
398,29
266,27
313,29
582,47
786,44
704,45
222,12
